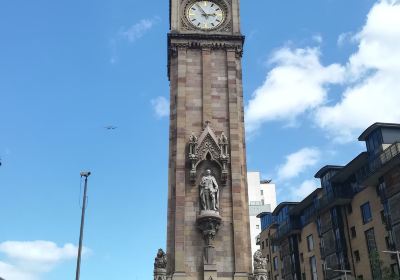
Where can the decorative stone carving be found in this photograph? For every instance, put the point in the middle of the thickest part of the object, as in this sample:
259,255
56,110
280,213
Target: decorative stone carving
209,192
259,261
208,223
160,265
260,266
208,147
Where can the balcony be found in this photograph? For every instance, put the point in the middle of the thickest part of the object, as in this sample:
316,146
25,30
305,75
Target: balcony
379,165
286,230
333,199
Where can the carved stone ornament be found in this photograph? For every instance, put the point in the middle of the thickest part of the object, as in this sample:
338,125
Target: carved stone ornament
259,261
160,265
208,147
260,266
226,26
208,223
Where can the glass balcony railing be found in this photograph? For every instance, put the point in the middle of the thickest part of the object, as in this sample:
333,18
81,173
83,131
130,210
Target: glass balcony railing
334,198
286,230
378,162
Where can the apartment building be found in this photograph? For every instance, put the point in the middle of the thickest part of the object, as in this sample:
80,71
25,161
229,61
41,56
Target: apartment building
342,229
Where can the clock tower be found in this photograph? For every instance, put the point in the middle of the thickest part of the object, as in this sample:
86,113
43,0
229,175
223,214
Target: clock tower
208,234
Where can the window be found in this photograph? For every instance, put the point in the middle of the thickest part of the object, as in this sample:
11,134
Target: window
366,213
353,232
383,217
262,192
303,276
262,245
374,141
257,226
262,202
313,268
357,255
275,263
310,243
301,257
360,277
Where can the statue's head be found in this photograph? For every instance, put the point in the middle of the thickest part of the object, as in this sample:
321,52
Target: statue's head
258,254
208,172
160,253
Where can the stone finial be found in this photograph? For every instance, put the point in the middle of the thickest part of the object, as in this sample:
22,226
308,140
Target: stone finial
160,260
260,266
160,265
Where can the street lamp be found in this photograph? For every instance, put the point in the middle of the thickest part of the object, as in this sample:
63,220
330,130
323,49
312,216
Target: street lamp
78,263
339,270
394,253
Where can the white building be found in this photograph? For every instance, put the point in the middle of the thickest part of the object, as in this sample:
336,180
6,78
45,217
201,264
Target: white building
262,198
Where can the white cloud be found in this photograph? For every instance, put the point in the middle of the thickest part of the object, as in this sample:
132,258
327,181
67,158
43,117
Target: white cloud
27,260
297,84
10,272
375,68
344,38
130,34
297,162
301,192
160,106
137,30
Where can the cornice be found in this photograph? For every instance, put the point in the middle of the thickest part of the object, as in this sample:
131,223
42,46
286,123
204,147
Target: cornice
178,41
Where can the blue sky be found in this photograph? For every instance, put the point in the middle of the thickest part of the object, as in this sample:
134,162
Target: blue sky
316,73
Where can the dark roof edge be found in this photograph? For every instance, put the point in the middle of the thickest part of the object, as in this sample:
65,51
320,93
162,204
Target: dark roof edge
375,126
325,169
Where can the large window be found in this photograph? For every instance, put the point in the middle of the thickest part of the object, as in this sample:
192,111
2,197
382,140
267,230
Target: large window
313,267
275,263
374,141
310,243
366,213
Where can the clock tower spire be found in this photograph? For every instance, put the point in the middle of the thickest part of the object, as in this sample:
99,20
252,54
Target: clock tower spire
208,234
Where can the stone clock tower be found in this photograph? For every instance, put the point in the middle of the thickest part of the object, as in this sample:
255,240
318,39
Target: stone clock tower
208,221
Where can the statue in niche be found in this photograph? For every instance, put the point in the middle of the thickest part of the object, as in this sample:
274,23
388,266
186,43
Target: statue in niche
209,192
160,260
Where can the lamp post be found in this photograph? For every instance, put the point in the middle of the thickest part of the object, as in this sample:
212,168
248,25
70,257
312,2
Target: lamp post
78,263
339,270
394,253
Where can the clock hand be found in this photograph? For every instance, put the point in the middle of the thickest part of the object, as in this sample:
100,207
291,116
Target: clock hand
204,13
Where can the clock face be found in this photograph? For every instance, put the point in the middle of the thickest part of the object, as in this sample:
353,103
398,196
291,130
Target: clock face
205,15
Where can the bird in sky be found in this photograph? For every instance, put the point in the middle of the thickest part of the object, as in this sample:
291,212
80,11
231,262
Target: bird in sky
110,127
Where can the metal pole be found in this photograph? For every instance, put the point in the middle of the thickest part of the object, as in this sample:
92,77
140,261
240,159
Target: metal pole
78,263
398,256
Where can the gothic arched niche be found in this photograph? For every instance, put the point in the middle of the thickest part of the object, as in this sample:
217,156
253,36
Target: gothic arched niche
208,148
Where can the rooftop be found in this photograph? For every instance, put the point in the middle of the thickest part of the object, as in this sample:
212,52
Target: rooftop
374,127
325,169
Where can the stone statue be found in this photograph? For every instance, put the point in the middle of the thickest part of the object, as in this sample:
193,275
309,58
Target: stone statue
160,260
259,261
209,192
